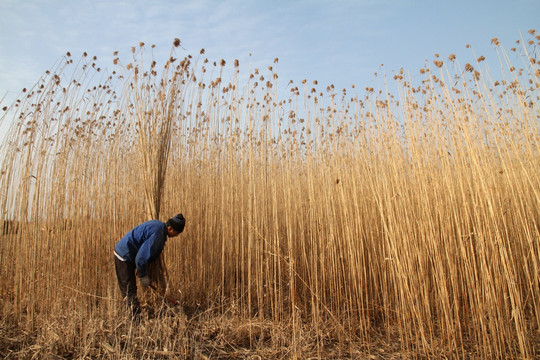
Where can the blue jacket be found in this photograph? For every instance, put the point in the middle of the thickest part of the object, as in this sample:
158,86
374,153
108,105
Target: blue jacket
143,244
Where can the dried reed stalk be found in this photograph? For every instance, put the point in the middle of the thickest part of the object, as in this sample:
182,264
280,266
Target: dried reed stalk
415,215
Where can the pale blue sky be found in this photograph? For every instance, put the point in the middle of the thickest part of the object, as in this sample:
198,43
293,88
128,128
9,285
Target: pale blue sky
334,42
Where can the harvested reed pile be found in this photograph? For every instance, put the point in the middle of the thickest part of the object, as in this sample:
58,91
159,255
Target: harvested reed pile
332,217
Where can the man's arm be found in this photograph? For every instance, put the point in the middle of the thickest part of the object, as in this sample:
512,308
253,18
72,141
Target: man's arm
149,250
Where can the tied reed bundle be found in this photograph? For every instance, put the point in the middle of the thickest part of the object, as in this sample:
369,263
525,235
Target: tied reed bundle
156,107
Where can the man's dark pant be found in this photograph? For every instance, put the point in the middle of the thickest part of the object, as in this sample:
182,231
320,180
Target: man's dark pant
125,272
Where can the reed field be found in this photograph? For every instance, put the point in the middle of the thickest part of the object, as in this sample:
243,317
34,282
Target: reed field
363,223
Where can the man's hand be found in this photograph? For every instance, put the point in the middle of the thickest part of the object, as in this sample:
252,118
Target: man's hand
145,281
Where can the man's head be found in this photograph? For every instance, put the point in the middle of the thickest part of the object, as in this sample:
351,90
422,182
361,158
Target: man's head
175,225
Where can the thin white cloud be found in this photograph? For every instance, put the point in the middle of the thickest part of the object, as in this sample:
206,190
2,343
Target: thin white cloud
331,41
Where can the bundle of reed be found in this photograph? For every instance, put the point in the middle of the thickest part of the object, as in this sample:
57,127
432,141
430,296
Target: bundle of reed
156,101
